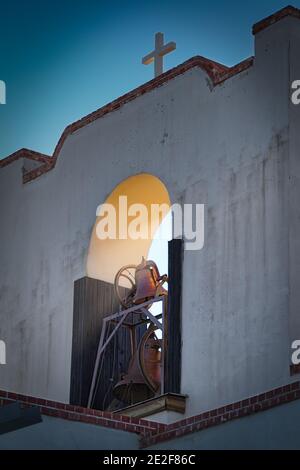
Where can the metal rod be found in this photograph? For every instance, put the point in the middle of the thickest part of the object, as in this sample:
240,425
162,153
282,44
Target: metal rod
99,352
153,319
123,314
132,340
96,364
147,320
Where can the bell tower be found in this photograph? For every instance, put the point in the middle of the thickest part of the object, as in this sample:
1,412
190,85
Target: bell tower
123,353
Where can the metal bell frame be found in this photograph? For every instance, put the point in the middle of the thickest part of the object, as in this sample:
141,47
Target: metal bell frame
119,319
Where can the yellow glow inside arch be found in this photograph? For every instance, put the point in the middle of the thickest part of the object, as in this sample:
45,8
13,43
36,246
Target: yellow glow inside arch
106,257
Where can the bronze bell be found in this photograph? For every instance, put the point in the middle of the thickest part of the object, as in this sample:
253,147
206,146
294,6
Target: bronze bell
147,279
143,378
133,387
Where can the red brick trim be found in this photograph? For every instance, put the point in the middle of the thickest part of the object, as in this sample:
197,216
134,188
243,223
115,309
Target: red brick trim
84,415
218,73
294,369
240,409
25,153
272,19
235,70
46,162
152,432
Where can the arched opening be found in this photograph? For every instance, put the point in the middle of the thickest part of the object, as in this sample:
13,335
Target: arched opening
107,256
96,299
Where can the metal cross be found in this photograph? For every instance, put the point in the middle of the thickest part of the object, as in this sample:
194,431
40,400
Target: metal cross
157,55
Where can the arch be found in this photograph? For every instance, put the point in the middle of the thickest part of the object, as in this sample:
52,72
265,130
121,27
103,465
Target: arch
106,257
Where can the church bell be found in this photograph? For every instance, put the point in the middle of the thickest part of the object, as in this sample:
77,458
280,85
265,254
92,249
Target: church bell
147,280
142,380
133,387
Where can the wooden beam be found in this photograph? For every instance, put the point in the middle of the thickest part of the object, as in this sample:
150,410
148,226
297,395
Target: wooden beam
172,361
93,300
166,402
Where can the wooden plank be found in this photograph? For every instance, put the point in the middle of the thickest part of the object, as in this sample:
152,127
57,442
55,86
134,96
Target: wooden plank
166,402
93,300
172,360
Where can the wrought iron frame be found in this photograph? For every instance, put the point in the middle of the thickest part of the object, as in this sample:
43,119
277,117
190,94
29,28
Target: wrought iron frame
119,319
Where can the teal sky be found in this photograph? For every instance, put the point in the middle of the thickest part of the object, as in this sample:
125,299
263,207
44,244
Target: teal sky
63,59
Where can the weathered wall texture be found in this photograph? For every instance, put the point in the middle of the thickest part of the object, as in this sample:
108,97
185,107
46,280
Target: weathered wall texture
232,147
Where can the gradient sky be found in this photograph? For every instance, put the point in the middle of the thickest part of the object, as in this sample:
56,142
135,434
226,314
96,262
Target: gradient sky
63,59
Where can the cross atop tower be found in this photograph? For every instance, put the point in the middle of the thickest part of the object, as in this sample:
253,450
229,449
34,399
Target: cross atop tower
156,56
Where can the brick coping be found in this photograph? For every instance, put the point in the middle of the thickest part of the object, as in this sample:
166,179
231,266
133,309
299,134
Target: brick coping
153,432
25,153
275,17
294,369
240,409
84,415
218,73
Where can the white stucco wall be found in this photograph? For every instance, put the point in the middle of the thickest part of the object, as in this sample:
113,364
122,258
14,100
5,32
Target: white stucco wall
233,148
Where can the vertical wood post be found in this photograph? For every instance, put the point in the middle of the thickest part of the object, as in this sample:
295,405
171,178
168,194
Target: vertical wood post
172,359
94,299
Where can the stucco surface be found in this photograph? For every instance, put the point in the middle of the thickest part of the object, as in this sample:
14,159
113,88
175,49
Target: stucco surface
232,147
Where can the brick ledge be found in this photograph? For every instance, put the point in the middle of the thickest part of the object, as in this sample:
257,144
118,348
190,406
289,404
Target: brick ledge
294,369
152,432
240,409
272,19
84,415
